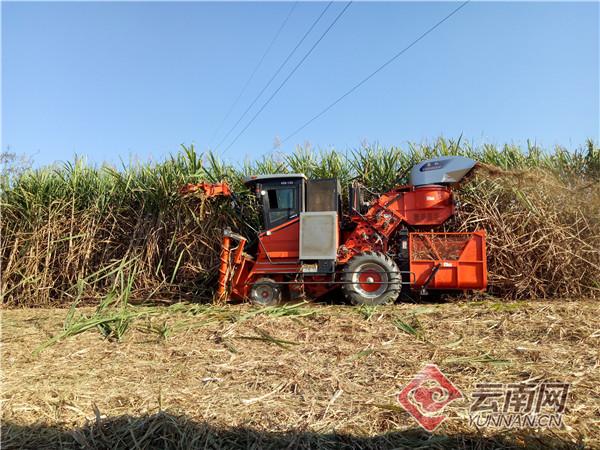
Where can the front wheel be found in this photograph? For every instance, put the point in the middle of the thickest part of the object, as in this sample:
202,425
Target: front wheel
265,292
371,279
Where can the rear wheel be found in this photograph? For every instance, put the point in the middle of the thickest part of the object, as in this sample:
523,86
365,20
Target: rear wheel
265,292
371,279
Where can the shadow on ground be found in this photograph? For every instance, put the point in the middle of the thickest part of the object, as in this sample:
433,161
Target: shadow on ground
166,431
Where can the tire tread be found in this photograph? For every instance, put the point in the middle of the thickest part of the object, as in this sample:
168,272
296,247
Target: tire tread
389,296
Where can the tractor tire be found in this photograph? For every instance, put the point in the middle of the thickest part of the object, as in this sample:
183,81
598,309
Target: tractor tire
360,277
265,292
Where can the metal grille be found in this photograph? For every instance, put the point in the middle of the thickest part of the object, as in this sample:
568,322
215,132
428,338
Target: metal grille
322,195
438,246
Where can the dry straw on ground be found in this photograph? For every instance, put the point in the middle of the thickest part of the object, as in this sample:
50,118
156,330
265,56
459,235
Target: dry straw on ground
314,377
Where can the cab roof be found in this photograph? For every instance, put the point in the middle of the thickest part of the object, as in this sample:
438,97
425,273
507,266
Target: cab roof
253,179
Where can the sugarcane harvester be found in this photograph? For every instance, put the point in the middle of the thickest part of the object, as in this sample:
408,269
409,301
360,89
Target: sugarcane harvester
374,250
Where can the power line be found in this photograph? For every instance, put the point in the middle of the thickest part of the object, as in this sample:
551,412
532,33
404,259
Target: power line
233,105
289,76
275,74
375,72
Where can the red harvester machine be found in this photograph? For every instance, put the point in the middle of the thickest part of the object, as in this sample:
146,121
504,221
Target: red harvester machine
309,246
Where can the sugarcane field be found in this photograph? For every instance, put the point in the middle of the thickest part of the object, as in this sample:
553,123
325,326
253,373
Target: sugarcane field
421,291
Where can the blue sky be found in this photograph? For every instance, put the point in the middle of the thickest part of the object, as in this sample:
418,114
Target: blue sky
119,80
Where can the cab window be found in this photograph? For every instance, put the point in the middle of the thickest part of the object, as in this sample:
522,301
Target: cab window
282,204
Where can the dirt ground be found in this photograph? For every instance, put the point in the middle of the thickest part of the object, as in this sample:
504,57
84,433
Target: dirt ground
325,377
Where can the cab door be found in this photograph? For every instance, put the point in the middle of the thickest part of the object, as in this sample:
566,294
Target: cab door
282,203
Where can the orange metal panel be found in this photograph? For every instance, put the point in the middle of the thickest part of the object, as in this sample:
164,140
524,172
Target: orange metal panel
224,266
426,205
280,242
460,259
208,189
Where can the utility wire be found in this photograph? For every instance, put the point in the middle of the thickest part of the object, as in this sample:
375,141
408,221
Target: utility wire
233,105
375,72
275,74
289,76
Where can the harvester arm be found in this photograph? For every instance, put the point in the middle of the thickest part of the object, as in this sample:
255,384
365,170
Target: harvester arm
208,189
230,258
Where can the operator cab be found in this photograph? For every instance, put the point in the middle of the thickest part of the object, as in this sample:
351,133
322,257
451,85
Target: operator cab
284,196
281,196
